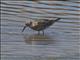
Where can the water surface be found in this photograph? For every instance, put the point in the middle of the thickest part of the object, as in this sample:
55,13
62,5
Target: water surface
60,42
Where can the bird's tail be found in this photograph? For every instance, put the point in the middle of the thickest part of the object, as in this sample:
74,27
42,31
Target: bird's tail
57,19
52,21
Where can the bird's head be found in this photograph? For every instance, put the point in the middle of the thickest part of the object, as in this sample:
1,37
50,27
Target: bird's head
26,25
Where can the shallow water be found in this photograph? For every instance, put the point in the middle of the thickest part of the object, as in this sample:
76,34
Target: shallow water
60,42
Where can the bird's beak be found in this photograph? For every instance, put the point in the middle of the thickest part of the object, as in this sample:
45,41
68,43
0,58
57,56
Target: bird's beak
24,28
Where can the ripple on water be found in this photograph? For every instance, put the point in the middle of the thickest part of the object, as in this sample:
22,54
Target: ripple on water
60,42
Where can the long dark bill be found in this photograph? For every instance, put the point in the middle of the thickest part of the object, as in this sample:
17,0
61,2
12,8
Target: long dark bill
24,28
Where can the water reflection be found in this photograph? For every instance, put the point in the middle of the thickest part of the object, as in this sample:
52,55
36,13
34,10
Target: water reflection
38,39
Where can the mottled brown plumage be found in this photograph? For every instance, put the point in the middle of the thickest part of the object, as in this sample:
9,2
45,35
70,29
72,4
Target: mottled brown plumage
40,25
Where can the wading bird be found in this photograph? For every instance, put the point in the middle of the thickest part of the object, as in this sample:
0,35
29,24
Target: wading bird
40,25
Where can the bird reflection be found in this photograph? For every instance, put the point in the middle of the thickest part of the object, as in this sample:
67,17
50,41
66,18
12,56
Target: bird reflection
38,39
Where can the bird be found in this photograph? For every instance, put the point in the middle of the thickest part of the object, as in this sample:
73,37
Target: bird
40,25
